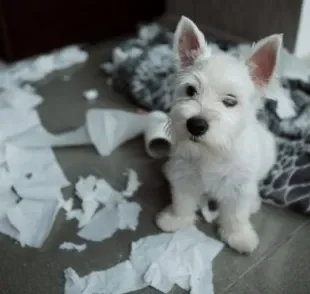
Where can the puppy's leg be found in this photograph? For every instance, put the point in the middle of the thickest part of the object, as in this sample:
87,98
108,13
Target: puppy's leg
235,226
256,203
181,213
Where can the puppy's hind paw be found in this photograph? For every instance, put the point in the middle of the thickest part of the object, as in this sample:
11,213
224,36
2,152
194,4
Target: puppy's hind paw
243,240
167,221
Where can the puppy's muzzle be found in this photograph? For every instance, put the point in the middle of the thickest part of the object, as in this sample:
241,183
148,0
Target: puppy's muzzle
197,126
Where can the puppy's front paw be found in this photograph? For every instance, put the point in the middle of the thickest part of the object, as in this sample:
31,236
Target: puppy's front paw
243,238
167,221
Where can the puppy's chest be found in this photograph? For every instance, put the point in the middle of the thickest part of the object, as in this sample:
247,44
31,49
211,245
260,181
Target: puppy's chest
216,174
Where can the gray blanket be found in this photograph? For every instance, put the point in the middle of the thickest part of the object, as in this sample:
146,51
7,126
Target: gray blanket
142,68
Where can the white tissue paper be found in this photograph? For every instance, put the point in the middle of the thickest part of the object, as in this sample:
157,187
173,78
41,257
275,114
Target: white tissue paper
8,199
38,136
133,183
117,213
109,128
30,221
106,129
38,179
92,192
71,246
156,137
183,258
103,225
36,172
33,173
91,94
14,122
35,69
19,98
116,280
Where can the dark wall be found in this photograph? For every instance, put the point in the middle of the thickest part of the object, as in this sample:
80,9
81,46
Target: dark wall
36,26
249,19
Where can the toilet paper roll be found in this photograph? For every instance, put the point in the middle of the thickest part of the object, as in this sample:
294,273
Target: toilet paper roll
156,138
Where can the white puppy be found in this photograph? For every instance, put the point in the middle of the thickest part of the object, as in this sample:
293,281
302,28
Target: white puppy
220,149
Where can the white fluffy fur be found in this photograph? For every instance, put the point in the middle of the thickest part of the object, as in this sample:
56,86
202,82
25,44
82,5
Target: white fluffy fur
236,152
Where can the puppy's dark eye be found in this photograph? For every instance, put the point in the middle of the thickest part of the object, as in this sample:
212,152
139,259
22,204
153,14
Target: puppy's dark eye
230,101
190,91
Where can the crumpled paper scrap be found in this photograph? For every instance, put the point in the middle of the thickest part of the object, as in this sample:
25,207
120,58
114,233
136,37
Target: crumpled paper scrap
35,69
8,199
92,192
106,129
110,128
39,137
36,172
33,173
116,280
133,183
19,98
37,178
30,221
72,246
117,213
183,258
14,122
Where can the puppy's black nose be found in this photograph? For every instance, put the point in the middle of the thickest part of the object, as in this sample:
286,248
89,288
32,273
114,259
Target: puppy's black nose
197,126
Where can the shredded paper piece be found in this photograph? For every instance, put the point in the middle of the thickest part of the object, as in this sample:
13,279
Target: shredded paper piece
91,94
109,129
19,98
133,184
38,137
72,246
117,213
33,173
161,261
35,69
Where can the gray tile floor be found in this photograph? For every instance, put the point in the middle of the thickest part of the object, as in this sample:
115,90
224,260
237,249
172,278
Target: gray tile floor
280,265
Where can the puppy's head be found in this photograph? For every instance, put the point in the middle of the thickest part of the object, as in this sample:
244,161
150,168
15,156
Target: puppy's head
217,95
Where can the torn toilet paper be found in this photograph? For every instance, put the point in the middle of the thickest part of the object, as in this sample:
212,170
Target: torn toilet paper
35,69
91,94
109,128
37,178
30,221
36,172
104,282
133,183
8,199
38,136
72,246
14,122
19,98
106,129
117,213
160,261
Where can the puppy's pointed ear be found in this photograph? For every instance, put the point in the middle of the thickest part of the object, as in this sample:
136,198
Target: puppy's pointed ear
189,42
264,59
